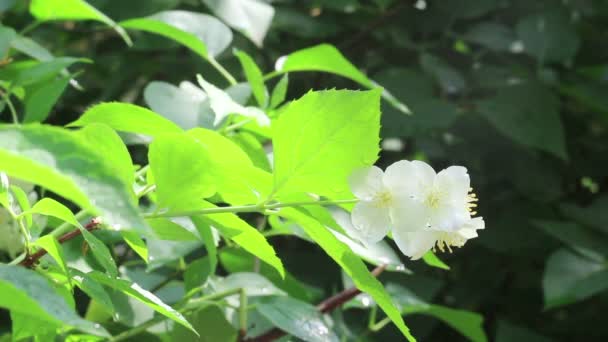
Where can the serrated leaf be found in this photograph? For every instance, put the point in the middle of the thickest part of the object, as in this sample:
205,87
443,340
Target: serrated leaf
63,162
28,293
127,118
322,137
351,264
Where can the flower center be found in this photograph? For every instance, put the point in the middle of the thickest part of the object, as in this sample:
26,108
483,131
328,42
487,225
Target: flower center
471,199
383,199
447,240
432,199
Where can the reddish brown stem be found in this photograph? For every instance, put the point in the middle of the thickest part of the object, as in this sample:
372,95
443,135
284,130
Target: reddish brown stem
327,305
31,260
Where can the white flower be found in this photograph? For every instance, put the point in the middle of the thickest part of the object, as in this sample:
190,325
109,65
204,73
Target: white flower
422,207
416,244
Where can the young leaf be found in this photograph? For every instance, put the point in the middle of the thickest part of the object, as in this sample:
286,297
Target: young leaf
136,243
73,10
254,77
127,118
50,244
181,171
350,263
44,70
432,260
63,162
28,293
279,93
322,137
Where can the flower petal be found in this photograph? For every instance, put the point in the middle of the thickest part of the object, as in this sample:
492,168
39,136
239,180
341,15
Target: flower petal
454,183
365,183
409,178
371,222
469,230
409,214
448,217
415,244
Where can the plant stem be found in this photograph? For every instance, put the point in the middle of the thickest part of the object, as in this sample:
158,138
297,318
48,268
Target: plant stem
248,208
66,227
7,98
222,71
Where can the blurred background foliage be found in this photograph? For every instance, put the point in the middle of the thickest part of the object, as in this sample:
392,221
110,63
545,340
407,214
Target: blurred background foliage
515,90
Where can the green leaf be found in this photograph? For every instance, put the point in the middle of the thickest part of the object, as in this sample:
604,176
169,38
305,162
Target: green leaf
50,207
583,240
237,260
63,162
570,277
109,144
549,36
93,289
28,293
50,244
180,166
166,229
254,77
507,332
44,70
529,114
323,57
201,33
468,323
432,260
7,35
206,233
136,243
450,79
594,215
254,284
351,264
327,58
40,101
146,297
279,93
212,322
493,35
251,17
73,10
244,235
322,137
296,317
128,118
31,48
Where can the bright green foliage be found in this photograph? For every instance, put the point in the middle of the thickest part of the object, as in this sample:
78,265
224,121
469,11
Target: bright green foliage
65,163
350,263
72,10
325,58
180,166
28,293
127,118
320,138
246,236
42,98
210,322
279,92
50,244
254,77
432,260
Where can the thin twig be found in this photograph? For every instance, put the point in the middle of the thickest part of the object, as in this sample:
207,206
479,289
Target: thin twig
31,260
327,305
